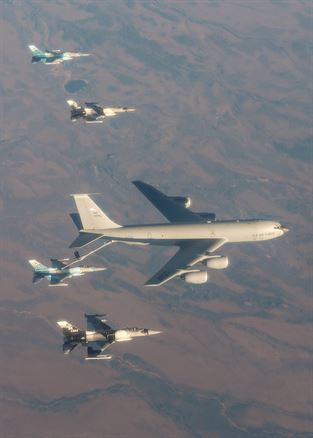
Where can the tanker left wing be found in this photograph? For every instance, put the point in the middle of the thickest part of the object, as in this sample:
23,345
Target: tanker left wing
182,263
167,206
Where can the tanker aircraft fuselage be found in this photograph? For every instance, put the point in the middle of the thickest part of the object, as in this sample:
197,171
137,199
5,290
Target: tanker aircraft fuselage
175,233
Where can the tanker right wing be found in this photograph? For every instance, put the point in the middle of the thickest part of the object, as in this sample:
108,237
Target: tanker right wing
188,255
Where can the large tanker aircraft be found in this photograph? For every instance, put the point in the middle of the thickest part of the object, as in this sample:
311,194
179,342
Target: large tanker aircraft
197,235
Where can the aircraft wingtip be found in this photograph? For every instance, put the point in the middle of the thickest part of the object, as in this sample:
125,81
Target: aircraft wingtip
137,182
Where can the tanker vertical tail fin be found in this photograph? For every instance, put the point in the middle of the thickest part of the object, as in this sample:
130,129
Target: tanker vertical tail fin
91,216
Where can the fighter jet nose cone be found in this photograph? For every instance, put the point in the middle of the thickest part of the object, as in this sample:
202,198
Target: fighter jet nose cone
153,332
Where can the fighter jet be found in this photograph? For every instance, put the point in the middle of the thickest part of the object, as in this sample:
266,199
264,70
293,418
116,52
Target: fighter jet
93,113
53,56
98,337
59,271
197,235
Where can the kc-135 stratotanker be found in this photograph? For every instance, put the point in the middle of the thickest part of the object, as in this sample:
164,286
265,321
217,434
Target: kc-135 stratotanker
99,336
197,235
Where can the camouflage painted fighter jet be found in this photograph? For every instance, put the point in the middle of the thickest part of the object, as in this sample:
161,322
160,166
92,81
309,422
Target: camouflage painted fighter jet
59,271
53,56
92,112
98,337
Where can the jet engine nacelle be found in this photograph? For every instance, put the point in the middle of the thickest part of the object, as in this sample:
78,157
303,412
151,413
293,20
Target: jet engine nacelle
217,262
210,217
184,201
196,277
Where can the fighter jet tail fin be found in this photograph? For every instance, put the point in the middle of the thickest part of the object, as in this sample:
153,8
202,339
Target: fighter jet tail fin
92,217
69,332
35,51
37,266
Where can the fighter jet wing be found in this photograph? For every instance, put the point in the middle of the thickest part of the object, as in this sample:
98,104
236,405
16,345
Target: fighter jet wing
94,105
167,206
53,52
93,119
57,279
187,256
94,323
55,263
95,348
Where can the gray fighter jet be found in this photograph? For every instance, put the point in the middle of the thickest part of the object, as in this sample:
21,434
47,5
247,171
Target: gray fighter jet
98,336
92,112
197,235
52,57
59,271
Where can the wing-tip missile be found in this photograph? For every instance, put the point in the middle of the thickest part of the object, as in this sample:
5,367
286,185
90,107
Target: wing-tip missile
100,357
58,285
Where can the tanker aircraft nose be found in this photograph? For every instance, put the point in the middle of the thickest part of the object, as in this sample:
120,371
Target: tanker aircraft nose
281,229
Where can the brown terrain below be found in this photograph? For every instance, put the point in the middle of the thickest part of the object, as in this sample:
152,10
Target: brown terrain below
223,92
